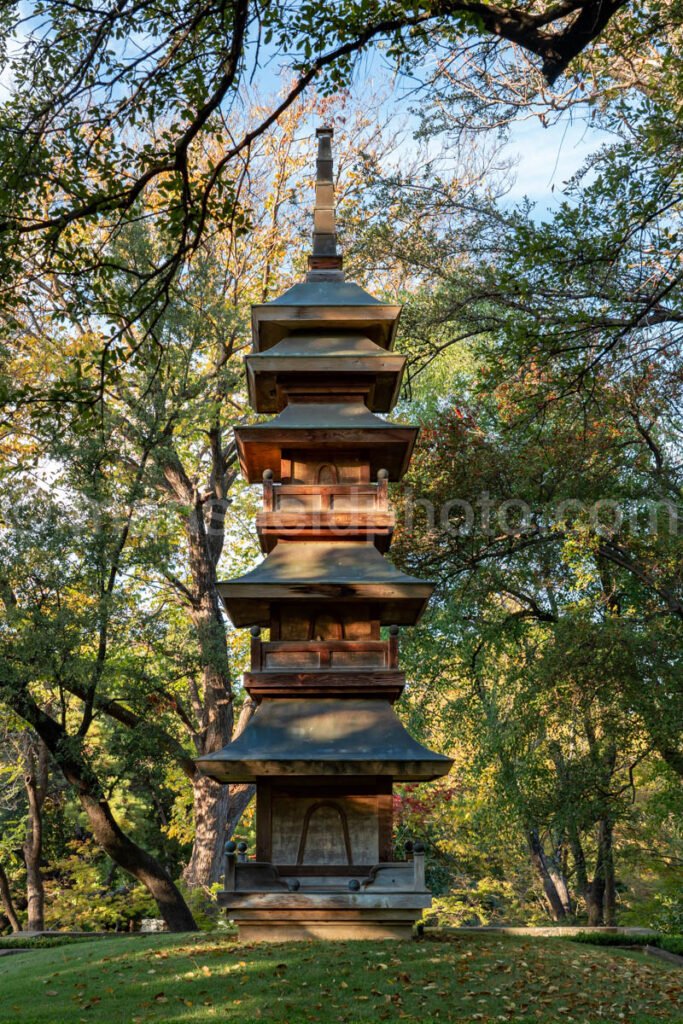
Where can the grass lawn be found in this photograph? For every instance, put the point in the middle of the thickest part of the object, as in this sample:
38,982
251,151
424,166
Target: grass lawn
210,978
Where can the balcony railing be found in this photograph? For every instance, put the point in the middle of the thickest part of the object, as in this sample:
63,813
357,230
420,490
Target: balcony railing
315,655
325,497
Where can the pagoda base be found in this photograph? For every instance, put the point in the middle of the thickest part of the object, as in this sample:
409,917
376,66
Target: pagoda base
291,917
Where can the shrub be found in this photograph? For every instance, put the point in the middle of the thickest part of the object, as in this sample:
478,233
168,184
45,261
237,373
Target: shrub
671,943
78,896
43,941
486,901
669,915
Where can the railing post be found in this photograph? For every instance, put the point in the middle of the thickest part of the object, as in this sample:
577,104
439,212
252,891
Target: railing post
230,859
393,647
256,649
383,489
242,853
268,497
419,867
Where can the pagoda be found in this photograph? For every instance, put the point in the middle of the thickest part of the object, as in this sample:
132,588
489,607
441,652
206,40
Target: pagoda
324,746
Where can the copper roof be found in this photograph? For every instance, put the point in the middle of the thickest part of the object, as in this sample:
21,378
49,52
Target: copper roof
336,571
338,426
324,737
324,304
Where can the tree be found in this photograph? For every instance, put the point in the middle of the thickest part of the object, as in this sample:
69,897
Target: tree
111,104
574,319
536,634
35,757
61,612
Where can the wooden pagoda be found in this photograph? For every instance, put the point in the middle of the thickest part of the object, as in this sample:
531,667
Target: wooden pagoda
325,745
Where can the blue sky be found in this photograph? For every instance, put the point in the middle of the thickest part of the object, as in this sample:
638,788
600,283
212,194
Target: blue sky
548,157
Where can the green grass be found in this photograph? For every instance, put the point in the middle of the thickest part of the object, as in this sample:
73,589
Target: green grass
206,978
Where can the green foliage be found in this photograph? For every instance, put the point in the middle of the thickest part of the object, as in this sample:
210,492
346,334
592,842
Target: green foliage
205,910
43,941
486,901
669,916
544,496
109,116
672,943
80,897
544,366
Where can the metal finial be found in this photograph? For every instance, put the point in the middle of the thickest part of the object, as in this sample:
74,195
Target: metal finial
325,262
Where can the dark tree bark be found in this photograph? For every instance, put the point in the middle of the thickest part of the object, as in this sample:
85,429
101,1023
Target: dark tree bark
7,903
605,844
35,781
672,756
599,893
595,896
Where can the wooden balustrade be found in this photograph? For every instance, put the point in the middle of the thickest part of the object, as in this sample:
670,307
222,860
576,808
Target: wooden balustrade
312,655
324,497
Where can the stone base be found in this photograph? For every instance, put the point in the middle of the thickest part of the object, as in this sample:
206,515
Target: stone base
291,917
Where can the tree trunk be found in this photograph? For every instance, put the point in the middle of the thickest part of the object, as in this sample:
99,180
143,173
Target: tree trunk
137,862
672,756
35,781
560,882
205,529
210,805
217,811
590,892
66,751
595,892
607,860
600,894
6,900
240,798
539,862
216,713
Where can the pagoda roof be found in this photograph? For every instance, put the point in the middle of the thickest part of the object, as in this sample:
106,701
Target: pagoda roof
335,571
337,426
325,293
324,303
326,736
332,359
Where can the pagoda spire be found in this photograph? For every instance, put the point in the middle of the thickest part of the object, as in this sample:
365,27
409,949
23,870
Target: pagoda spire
324,263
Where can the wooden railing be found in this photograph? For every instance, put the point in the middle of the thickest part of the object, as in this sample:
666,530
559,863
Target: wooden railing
325,497
312,655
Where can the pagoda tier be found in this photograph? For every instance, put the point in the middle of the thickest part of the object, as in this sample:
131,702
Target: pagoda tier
305,434
338,573
324,304
328,736
309,512
309,364
324,746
